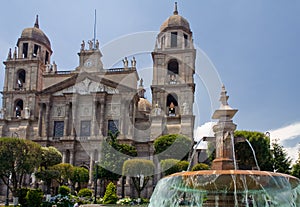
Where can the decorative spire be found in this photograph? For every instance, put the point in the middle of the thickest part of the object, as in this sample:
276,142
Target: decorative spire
141,89
36,24
175,9
224,97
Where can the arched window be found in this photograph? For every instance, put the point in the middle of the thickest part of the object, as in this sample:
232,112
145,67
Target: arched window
173,67
173,70
21,78
172,104
18,107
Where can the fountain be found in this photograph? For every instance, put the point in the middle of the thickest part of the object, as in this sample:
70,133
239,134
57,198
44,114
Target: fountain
224,185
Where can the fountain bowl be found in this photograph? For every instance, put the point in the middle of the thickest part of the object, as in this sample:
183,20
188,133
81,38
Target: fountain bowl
228,188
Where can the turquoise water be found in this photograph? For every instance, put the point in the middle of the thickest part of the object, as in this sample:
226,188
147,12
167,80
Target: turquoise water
227,190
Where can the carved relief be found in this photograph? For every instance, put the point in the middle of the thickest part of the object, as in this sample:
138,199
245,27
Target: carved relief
87,87
59,110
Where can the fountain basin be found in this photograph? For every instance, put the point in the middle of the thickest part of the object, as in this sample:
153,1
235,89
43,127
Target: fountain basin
227,188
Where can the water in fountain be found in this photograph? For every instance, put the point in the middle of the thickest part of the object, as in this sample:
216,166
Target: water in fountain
224,186
254,155
193,154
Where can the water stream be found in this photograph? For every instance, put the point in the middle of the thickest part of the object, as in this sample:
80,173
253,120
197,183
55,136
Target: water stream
193,154
233,151
254,155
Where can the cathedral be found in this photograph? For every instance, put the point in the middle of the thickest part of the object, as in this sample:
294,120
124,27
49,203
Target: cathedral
74,110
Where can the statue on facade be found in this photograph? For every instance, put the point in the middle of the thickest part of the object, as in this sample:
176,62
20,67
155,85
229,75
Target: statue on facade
82,45
15,53
27,112
125,61
133,62
157,110
90,42
9,54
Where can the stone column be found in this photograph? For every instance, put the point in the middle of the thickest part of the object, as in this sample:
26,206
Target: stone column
72,157
94,119
101,121
40,121
66,122
47,116
91,167
64,158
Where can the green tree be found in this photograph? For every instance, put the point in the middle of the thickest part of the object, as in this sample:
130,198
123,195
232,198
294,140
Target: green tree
173,146
140,171
296,170
261,145
64,172
113,156
79,175
18,157
170,166
281,161
110,196
50,156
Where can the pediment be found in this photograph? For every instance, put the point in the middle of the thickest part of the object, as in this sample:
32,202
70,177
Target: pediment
87,86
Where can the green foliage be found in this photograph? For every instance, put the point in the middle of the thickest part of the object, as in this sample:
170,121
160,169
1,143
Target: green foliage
113,156
200,166
296,170
64,171
64,190
79,175
25,156
50,156
85,192
281,161
173,146
170,166
34,197
110,196
261,145
22,192
140,171
135,167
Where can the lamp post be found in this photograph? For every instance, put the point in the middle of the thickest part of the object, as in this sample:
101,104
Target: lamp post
96,179
7,192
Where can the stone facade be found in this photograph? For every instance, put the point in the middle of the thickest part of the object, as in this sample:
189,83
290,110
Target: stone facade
73,110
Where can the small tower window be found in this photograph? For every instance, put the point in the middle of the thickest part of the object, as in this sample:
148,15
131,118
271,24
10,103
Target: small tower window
173,39
173,71
25,50
172,104
186,41
35,50
21,77
19,108
47,57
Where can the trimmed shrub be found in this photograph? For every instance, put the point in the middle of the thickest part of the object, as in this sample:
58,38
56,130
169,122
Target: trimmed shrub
200,166
85,192
34,197
170,166
64,190
110,196
22,196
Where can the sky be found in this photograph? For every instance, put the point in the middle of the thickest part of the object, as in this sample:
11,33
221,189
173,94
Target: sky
252,47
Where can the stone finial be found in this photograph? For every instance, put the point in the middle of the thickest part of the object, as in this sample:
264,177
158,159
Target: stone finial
82,45
125,62
141,82
36,24
97,44
224,97
15,53
141,89
9,54
175,9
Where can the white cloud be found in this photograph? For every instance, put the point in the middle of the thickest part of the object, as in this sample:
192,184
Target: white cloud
286,133
204,130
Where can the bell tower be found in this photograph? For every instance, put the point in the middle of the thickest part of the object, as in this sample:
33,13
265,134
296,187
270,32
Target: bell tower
173,84
24,68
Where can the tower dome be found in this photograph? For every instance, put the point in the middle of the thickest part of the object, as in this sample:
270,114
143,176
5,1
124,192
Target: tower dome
175,21
35,34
